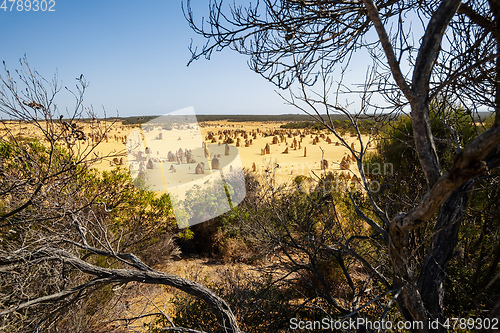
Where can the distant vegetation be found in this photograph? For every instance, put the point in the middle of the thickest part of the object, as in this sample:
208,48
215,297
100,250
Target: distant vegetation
295,118
342,126
137,120
263,117
303,124
296,121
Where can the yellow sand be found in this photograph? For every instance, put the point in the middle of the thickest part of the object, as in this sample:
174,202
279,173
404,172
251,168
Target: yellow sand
288,166
285,166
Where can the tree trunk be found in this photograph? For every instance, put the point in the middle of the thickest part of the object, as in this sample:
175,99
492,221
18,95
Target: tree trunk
422,299
431,281
409,300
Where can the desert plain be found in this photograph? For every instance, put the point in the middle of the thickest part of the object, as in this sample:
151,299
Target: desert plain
262,147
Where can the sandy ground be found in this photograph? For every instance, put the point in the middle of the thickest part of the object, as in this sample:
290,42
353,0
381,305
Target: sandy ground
305,160
288,166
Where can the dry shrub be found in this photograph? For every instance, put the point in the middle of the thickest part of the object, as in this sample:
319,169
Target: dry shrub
260,305
310,281
161,250
236,250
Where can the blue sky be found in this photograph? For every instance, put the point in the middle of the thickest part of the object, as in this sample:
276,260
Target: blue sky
134,54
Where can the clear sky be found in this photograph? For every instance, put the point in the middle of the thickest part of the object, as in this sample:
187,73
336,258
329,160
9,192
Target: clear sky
134,54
